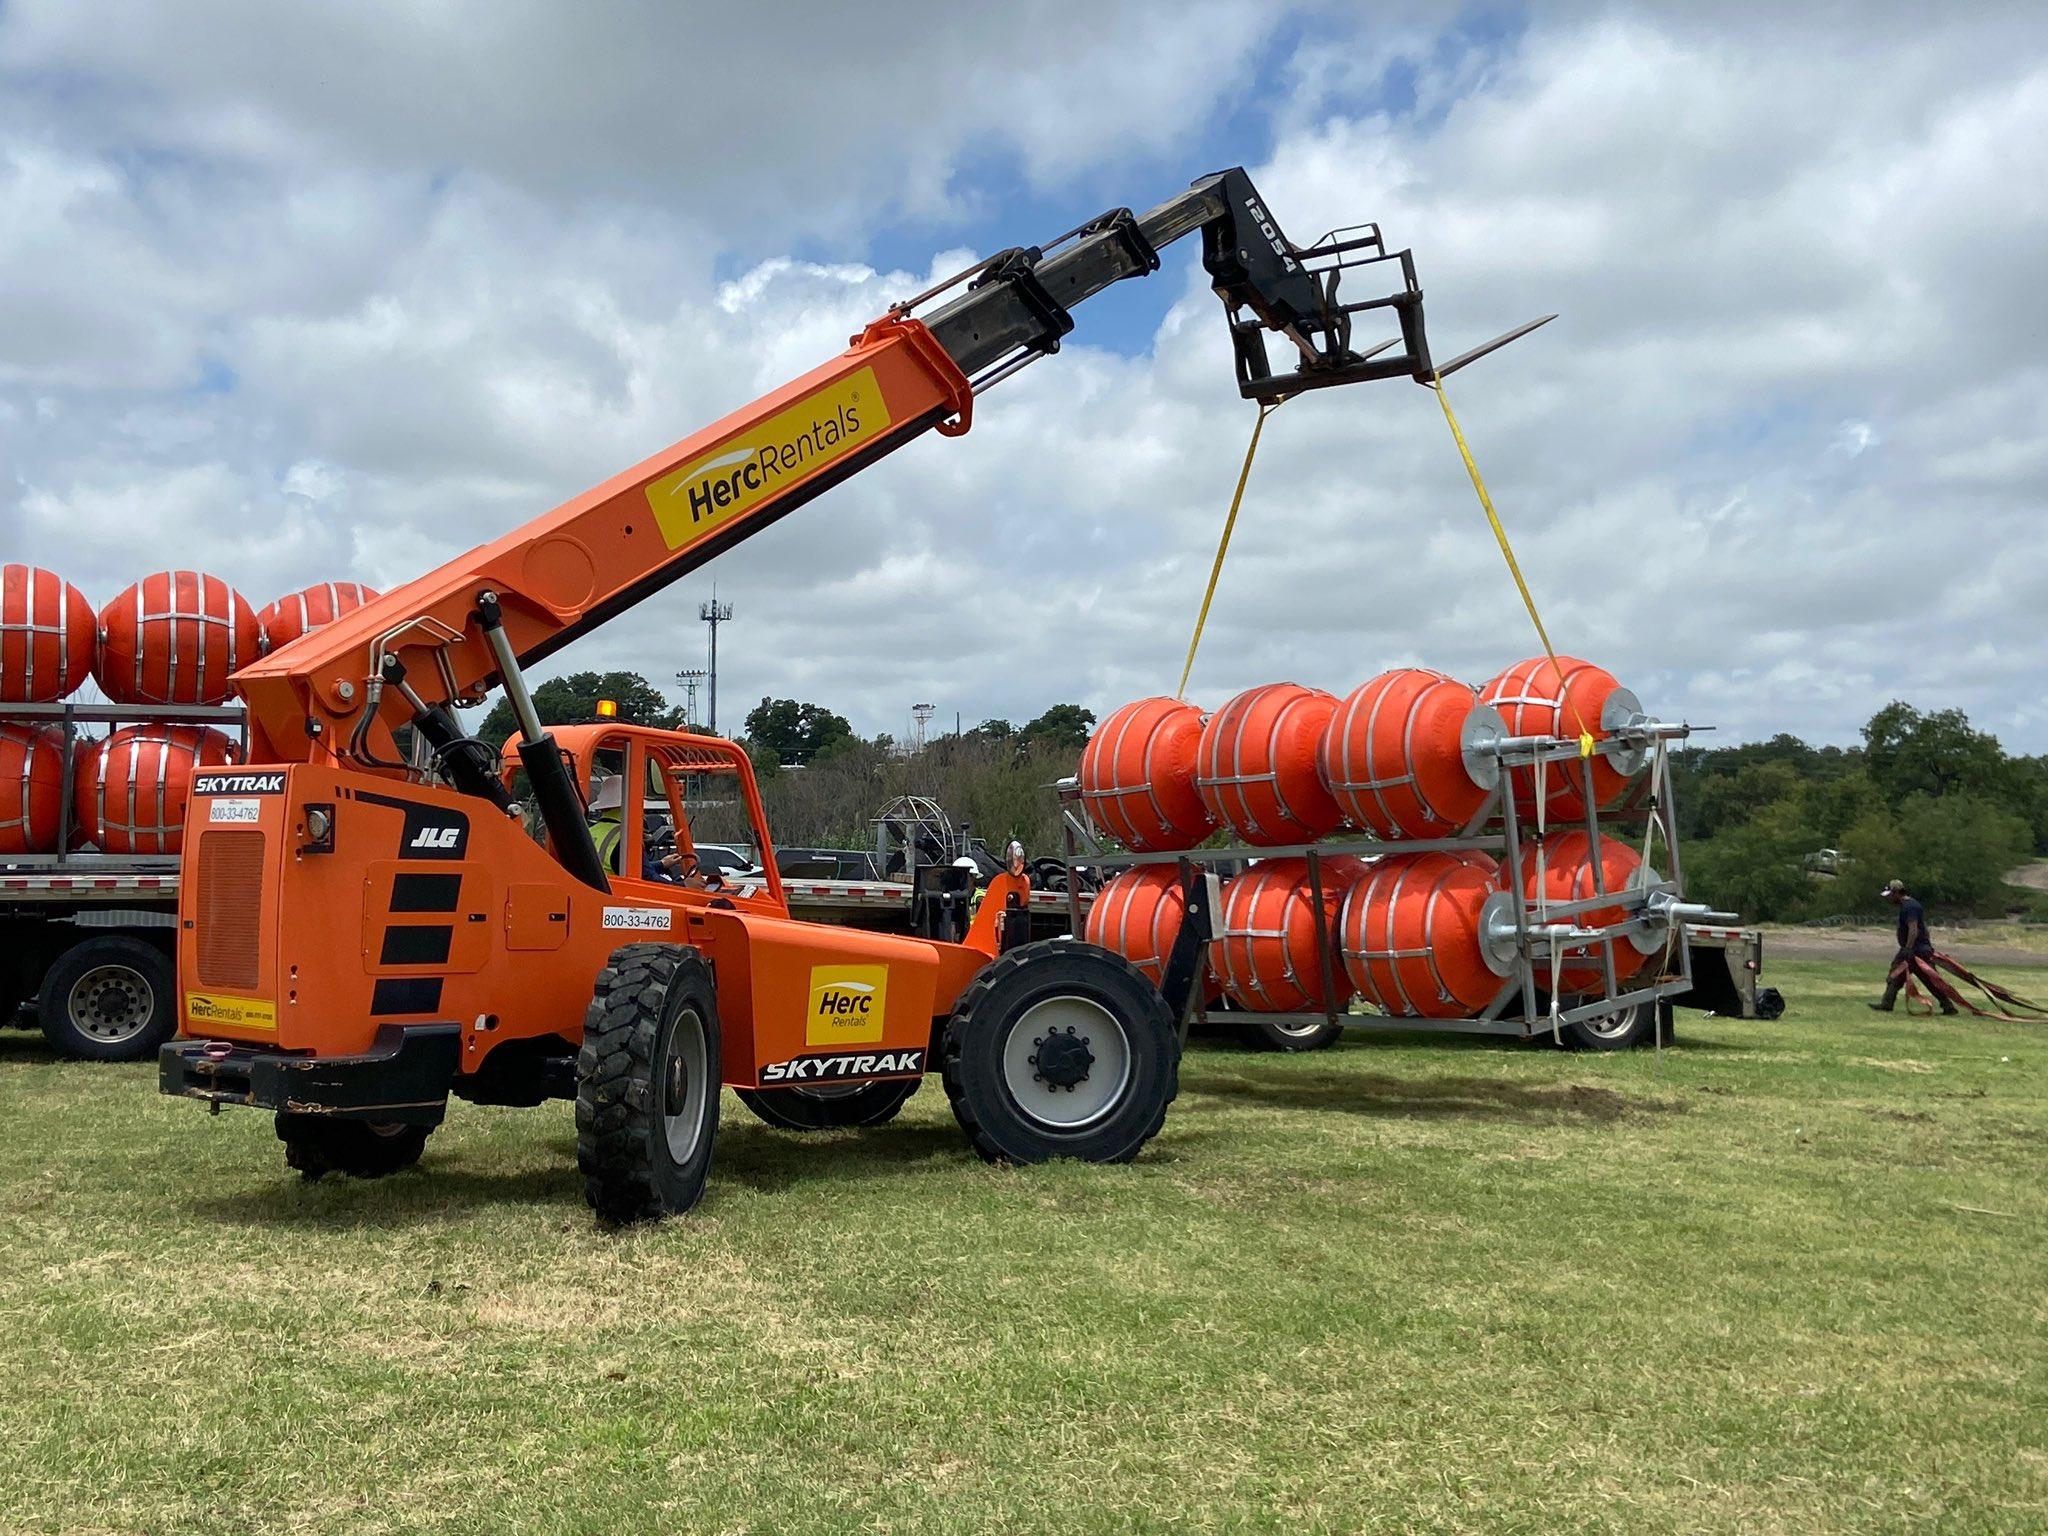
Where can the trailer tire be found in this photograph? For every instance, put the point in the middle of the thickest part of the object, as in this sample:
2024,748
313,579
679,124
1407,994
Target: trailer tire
647,1084
317,1145
1622,1030
111,998
830,1107
1263,1034
1111,1086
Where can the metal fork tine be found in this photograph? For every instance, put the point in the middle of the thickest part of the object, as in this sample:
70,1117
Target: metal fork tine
1445,371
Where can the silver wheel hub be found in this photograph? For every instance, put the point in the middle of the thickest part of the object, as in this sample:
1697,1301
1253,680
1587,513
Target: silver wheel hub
1067,1062
111,1002
685,1077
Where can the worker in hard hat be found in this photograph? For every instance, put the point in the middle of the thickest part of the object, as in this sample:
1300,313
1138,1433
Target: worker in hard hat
608,820
1915,959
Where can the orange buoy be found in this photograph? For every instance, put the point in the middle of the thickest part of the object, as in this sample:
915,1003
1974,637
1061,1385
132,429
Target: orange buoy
309,608
128,792
1559,868
1403,755
47,635
1413,937
1138,915
1536,698
1257,766
1137,776
1265,953
32,758
174,638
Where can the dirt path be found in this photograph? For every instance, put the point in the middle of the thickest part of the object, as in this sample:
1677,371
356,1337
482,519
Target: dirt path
1999,944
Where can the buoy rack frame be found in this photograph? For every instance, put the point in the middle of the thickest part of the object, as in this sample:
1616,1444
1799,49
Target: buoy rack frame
1522,931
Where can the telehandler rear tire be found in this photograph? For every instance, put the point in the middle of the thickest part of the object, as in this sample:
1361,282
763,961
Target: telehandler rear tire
830,1107
1060,1049
318,1145
647,1084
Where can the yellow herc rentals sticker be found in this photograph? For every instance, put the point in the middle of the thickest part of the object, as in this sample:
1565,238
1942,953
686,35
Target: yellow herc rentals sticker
238,1012
846,1005
744,471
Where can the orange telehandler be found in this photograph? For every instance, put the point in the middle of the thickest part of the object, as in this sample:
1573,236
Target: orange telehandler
365,929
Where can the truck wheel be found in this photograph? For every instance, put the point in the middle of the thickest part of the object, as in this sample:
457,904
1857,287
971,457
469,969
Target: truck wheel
108,999
1620,1030
318,1145
1263,1034
830,1106
1061,1049
647,1083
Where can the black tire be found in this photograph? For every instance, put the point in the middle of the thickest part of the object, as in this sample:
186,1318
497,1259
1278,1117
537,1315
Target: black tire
827,1107
318,1145
1118,1022
1622,1030
112,998
647,1084
1265,1034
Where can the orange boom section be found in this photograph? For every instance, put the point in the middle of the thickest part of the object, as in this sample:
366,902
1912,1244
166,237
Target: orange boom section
31,788
1537,698
1137,776
175,638
1411,936
1258,772
47,634
1560,868
1269,955
599,553
1397,755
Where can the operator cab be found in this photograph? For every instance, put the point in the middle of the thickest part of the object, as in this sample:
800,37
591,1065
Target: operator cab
647,794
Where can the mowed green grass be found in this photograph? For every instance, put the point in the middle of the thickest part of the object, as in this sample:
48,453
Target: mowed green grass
1789,1277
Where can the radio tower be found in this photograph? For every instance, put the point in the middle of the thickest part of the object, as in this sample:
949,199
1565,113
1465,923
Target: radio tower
690,678
714,613
921,713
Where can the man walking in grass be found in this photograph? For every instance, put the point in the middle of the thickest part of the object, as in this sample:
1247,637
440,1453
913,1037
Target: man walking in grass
1916,951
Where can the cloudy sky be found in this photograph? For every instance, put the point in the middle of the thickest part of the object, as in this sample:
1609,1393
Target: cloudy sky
300,292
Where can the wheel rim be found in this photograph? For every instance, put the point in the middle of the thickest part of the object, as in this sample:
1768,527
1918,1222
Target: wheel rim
1298,1031
1089,1058
828,1093
1608,1026
685,1081
113,1003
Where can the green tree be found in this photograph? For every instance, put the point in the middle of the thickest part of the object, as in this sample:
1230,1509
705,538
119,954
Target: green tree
572,700
1951,849
1757,868
1063,727
1933,754
798,733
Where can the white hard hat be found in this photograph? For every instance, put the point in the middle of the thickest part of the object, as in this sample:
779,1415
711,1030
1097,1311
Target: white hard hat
610,795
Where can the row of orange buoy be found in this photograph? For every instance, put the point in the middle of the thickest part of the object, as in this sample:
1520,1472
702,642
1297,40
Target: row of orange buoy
174,637
1405,931
1404,755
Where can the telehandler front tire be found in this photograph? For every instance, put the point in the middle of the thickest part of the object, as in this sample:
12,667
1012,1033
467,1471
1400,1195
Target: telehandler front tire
830,1107
647,1084
1061,1049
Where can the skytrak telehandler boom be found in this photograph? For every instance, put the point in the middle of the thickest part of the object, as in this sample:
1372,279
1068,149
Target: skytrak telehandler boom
365,932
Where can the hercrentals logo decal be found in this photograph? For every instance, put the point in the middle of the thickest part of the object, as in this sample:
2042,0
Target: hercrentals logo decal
744,471
202,1009
846,1006
816,1069
270,783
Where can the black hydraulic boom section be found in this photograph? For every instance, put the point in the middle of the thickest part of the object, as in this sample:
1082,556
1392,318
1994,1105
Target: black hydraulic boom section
1018,302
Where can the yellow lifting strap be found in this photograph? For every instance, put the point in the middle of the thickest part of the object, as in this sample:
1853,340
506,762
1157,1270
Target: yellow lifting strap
1500,534
1266,409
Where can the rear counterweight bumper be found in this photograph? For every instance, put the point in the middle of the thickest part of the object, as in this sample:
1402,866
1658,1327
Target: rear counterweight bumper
403,1079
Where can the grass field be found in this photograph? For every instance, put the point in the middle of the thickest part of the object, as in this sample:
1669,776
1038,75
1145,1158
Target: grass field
1790,1277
